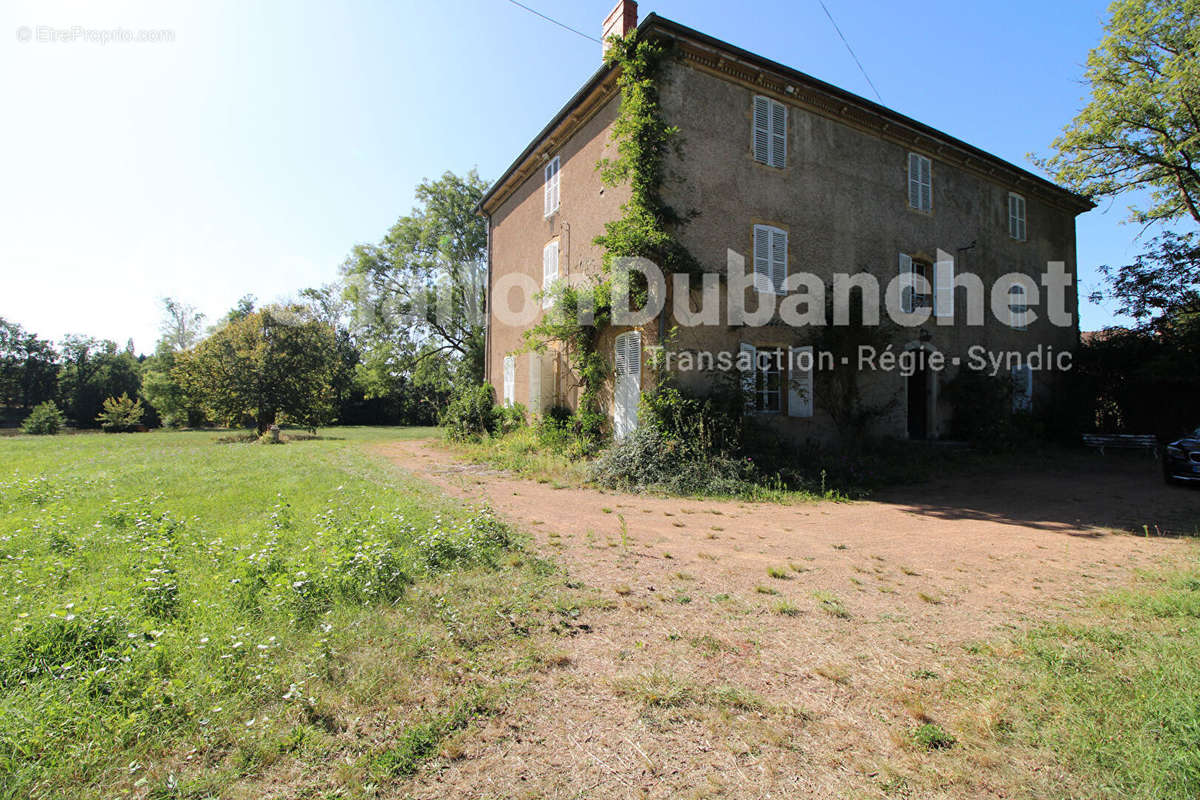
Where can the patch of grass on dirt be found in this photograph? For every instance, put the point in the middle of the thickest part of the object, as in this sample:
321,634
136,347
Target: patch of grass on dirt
1114,695
522,453
779,573
831,605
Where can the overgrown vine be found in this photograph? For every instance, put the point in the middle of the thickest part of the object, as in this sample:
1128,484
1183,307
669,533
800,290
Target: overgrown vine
645,228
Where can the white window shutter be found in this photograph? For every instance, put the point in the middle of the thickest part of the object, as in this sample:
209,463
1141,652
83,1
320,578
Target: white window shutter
762,258
800,383
535,382
778,134
549,272
761,138
926,184
943,291
748,355
1022,382
510,379
778,260
907,285
550,184
914,180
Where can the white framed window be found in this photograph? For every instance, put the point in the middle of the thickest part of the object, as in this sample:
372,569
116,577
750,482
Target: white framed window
1016,216
551,185
1022,387
762,381
770,132
915,288
1017,307
920,182
770,259
510,380
549,272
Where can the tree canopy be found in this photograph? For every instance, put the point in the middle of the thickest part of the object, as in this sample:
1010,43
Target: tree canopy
418,295
1140,129
272,365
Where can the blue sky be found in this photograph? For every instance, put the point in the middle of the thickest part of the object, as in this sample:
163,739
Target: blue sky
249,154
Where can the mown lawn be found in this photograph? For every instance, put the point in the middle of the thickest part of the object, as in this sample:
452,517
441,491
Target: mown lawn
183,618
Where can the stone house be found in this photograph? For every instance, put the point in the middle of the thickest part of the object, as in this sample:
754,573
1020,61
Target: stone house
790,175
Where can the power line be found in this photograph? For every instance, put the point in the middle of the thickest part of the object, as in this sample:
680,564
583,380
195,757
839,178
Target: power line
848,47
556,22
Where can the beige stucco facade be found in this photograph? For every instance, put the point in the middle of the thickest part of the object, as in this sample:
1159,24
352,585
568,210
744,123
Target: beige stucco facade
842,198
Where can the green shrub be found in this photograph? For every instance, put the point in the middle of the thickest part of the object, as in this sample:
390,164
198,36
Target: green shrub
470,412
44,420
506,419
120,414
651,460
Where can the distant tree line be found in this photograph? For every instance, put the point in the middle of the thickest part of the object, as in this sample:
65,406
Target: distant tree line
386,344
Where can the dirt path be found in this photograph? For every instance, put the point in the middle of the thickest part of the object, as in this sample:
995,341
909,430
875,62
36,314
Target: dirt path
706,676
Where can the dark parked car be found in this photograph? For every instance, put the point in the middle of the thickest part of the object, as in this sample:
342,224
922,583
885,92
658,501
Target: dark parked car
1181,461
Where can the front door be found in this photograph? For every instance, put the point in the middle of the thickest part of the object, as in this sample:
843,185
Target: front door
918,403
627,392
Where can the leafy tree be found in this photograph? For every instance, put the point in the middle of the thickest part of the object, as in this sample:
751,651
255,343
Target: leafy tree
1141,128
418,295
93,370
44,420
28,367
276,364
1163,281
120,415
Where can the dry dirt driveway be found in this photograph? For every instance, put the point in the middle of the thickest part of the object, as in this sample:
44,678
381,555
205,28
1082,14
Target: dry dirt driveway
705,676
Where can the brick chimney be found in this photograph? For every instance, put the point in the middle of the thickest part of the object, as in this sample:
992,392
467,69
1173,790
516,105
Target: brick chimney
620,21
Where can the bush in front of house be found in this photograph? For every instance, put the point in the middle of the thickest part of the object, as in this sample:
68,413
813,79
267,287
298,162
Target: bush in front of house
472,412
121,414
686,444
44,420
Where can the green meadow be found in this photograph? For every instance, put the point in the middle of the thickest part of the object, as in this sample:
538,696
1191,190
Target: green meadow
189,618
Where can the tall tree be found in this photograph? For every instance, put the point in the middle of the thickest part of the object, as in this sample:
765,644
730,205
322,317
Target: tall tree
28,367
94,370
419,293
1141,127
276,364
1140,131
182,325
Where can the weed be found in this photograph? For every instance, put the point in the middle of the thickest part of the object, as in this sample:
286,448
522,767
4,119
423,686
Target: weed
831,605
930,736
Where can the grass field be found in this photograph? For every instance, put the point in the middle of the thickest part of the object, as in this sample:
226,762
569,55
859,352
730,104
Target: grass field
183,618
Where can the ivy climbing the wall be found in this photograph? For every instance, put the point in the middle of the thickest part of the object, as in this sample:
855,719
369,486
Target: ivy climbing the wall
645,229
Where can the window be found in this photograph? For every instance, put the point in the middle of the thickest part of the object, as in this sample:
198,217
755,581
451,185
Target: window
920,182
915,293
535,382
1017,307
770,132
510,380
1022,385
549,272
550,188
762,382
770,259
1016,216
